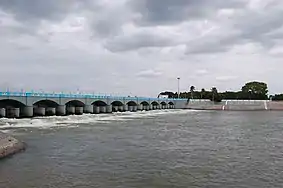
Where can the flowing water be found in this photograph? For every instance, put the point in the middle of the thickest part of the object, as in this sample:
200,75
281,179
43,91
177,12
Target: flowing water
157,149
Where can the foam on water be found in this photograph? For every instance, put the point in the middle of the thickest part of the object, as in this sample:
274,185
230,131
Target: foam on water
76,120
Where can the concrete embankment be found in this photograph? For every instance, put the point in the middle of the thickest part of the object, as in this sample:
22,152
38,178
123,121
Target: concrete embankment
235,105
9,145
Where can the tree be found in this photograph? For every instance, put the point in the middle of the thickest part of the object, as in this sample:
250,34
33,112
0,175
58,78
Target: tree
192,89
255,90
214,92
202,93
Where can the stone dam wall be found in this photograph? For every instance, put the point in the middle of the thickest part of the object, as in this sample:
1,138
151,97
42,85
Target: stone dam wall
9,145
235,105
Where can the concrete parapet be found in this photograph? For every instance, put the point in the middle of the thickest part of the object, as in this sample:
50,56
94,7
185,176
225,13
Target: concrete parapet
88,109
61,110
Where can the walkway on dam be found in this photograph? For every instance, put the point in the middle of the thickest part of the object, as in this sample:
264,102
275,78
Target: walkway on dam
29,104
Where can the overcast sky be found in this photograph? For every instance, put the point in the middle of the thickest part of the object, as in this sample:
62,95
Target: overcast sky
140,47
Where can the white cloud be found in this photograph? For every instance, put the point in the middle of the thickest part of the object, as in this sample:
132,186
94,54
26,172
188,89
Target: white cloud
140,47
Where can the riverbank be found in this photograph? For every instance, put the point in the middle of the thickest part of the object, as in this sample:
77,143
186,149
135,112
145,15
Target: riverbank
9,145
236,105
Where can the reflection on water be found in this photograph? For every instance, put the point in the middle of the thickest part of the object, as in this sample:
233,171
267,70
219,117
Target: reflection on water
147,149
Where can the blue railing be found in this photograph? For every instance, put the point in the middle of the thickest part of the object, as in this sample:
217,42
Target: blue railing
66,95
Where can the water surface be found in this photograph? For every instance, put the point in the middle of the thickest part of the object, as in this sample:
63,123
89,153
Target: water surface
147,150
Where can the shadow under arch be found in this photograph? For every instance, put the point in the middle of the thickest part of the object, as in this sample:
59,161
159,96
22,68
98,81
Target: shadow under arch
10,103
46,103
99,103
75,103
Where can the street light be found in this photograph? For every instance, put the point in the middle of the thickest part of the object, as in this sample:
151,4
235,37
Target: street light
178,87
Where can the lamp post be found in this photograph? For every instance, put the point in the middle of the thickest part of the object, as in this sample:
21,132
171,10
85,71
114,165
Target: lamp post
178,87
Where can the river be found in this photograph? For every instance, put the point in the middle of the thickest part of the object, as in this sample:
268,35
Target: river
157,149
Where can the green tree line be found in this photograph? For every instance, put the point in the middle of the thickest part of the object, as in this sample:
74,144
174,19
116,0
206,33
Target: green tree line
250,91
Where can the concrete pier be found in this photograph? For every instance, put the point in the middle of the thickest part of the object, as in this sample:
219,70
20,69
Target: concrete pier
39,111
2,112
79,110
120,108
102,109
61,110
126,108
71,110
88,109
9,145
96,109
135,108
50,111
131,108
26,111
109,108
140,107
13,112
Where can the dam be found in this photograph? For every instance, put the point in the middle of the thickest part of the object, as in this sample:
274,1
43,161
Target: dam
30,104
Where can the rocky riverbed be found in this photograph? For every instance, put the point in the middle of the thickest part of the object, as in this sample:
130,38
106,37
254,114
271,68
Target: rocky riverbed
9,145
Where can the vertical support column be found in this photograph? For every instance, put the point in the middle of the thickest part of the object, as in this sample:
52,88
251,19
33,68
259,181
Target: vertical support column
50,111
71,110
39,111
102,109
109,108
131,108
135,108
79,110
126,108
88,109
61,110
26,111
150,107
2,112
96,109
120,108
140,107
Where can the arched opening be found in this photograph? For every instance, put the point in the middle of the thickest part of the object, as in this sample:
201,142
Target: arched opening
144,103
117,103
154,103
99,103
132,103
117,106
75,103
45,104
11,108
171,103
163,103
10,103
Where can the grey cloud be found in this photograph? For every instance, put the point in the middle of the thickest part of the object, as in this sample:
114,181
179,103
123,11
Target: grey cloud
37,9
137,41
175,11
